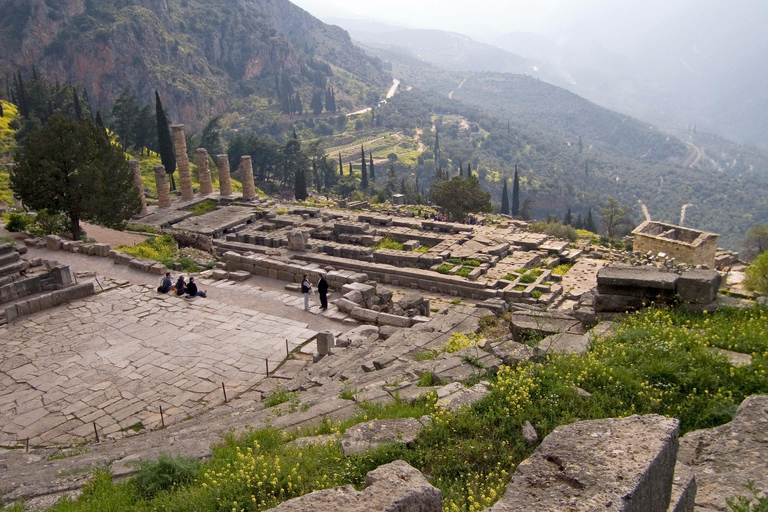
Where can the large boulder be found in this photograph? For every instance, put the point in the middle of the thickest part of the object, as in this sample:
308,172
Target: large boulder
725,458
621,465
393,487
370,434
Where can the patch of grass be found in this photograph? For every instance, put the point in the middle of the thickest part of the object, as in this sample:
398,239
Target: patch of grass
156,248
426,355
528,278
278,396
754,502
64,454
464,271
349,394
141,228
466,263
536,294
423,249
444,268
189,265
388,243
520,288
136,427
510,277
164,474
456,301
203,207
426,380
282,211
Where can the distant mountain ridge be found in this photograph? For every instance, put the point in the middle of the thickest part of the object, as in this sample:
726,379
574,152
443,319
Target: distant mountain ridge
198,54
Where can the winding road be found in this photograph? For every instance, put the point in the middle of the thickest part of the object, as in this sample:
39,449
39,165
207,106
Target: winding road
450,95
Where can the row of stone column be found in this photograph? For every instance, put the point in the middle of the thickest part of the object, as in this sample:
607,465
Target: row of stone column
204,174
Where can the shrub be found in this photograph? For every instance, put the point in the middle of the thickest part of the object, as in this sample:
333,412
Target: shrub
757,274
558,230
18,222
48,224
458,341
444,268
141,228
520,288
561,270
461,261
536,294
510,277
426,380
164,474
528,278
157,248
388,243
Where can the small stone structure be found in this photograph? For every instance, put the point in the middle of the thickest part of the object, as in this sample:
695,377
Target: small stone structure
139,185
182,162
246,177
225,179
163,192
203,173
684,244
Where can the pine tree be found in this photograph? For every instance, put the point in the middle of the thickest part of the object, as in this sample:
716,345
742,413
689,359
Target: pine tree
364,172
370,169
297,106
437,146
164,140
2,114
469,170
568,219
87,102
300,185
99,121
350,169
317,103
78,108
21,93
516,194
505,200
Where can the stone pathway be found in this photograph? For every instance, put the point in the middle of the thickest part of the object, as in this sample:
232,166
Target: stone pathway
117,357
581,277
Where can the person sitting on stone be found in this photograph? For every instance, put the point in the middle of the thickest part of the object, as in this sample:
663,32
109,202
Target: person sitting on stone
192,289
165,286
181,286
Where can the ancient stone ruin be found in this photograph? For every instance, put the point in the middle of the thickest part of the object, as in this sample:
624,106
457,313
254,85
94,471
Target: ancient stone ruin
684,244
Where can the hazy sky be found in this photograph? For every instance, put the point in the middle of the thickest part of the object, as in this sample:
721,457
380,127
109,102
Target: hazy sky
492,17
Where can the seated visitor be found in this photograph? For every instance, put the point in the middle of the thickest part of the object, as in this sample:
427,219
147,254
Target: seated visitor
192,289
165,286
181,286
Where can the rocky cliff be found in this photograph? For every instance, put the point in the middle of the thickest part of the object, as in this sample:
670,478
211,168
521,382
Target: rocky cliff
199,54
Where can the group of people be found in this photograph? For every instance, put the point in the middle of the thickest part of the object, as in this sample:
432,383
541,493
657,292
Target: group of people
181,287
322,289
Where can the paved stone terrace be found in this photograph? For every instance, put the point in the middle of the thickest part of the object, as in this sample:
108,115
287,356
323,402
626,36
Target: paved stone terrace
115,358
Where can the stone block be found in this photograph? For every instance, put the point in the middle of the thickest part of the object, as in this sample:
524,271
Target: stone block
365,315
122,258
411,245
605,303
366,290
563,342
78,291
239,275
325,342
220,274
11,313
394,320
61,275
393,487
345,305
102,250
698,286
34,304
354,296
53,242
523,324
158,269
624,465
683,490
647,281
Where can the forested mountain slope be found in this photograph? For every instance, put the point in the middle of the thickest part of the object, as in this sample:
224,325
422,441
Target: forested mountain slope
198,54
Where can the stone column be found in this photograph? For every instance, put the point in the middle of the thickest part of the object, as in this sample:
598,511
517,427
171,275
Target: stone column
206,187
182,162
246,175
225,181
137,180
163,192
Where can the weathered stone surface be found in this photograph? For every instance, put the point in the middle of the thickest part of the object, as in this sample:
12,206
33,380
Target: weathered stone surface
455,396
134,164
161,183
622,464
225,178
53,242
182,162
698,286
529,433
203,173
523,324
371,434
563,342
240,275
246,176
605,303
511,352
393,487
683,490
325,342
411,300
725,458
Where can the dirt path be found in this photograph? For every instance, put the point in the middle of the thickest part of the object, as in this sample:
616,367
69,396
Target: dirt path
393,89
695,160
450,95
417,138
112,237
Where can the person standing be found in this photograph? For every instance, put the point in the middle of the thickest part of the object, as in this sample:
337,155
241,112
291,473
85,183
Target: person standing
306,289
322,288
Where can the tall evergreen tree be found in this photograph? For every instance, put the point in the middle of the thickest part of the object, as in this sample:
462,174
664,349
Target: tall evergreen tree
87,102
164,140
364,172
469,170
297,106
300,185
525,209
568,219
341,167
317,103
370,170
350,169
516,194
437,146
505,200
21,93
2,113
78,108
99,120
590,225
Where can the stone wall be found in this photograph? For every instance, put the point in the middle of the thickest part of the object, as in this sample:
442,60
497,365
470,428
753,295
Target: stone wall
684,244
48,300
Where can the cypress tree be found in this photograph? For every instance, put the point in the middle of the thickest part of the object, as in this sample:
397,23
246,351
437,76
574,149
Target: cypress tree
371,171
2,114
78,108
21,92
297,106
99,121
333,97
437,146
364,172
505,200
516,194
341,167
469,170
568,220
589,225
164,140
294,135
525,210
350,169
300,185
87,102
